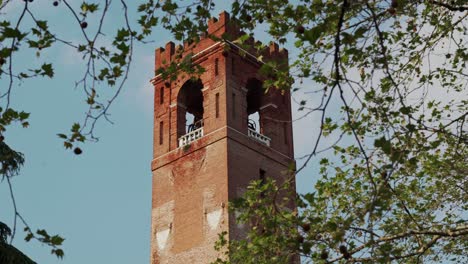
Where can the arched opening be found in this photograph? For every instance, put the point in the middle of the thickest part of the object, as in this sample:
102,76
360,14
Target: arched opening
254,101
190,108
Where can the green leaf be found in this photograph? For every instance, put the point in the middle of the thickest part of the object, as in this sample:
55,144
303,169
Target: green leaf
47,70
405,110
86,7
82,48
58,252
56,240
9,32
28,237
383,144
23,115
313,34
75,127
42,24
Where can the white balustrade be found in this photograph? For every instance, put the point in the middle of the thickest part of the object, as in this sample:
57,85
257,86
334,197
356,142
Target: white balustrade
259,137
190,137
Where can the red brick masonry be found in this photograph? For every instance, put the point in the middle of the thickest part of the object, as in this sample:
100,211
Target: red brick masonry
192,184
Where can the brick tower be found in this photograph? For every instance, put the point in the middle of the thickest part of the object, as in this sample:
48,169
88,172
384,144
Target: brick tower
206,151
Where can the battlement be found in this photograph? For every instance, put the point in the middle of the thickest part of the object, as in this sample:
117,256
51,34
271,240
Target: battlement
222,30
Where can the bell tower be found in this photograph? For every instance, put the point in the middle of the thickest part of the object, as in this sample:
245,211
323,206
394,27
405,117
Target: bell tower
213,134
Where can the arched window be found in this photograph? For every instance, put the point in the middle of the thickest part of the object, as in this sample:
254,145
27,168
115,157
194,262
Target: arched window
190,107
254,101
255,121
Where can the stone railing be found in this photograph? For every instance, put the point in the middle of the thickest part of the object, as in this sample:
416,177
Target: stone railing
190,137
259,137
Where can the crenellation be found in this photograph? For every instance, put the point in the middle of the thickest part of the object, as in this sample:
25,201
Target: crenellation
283,52
217,27
169,51
159,52
211,22
223,28
274,48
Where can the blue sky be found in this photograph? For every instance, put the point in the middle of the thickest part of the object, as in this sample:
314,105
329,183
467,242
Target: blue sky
99,201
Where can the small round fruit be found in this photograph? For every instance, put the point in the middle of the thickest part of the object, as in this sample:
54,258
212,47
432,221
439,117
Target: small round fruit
77,151
300,239
300,29
324,254
343,249
346,255
306,227
384,175
2,61
55,3
2,138
84,24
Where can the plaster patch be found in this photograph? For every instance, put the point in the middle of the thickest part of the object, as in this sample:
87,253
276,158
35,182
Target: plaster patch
162,237
213,218
209,196
163,215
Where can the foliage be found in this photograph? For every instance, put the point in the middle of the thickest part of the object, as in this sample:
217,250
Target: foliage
390,78
8,253
10,160
273,236
11,255
392,187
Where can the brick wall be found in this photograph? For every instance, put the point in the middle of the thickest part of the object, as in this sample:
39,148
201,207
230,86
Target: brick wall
193,184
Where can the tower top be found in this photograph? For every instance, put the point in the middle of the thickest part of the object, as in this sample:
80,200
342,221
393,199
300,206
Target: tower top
221,31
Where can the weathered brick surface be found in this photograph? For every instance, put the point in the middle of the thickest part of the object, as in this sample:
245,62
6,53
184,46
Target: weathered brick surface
196,184
193,184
